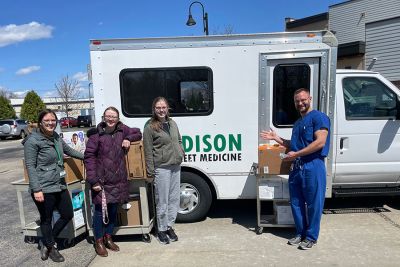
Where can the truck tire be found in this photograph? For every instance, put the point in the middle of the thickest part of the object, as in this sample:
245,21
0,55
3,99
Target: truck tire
196,198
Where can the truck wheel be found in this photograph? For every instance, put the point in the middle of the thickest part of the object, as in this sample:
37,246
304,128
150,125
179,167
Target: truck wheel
196,198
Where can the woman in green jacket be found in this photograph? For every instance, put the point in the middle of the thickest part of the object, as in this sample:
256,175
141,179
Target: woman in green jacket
164,153
43,151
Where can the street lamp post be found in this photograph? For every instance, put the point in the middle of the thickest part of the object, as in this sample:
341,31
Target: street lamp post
191,21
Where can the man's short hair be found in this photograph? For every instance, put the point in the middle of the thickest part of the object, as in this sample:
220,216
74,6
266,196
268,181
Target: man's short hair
73,135
301,90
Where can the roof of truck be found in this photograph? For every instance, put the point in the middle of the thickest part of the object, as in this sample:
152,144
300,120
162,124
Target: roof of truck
342,71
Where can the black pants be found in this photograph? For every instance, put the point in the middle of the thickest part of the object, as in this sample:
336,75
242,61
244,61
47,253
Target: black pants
60,201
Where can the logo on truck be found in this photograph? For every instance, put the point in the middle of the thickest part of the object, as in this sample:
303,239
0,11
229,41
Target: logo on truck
212,148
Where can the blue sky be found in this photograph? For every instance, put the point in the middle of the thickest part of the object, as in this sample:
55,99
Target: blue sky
42,41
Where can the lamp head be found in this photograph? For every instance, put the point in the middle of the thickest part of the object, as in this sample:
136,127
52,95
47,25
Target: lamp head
190,21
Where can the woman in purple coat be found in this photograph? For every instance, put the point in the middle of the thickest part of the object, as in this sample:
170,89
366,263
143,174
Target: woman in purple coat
107,175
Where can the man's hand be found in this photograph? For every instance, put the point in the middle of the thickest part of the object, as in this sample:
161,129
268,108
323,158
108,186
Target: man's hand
269,135
126,144
39,197
290,156
97,188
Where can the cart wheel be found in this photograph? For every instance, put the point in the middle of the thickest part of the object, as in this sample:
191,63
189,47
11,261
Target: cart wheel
259,230
146,238
29,239
90,239
67,243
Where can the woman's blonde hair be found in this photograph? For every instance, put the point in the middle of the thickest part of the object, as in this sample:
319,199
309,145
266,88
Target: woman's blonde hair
155,122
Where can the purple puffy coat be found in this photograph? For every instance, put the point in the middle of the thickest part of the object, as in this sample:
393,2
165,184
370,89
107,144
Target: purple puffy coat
105,162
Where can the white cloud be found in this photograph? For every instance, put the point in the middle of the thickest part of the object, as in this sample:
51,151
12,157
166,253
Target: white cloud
50,94
12,34
20,94
80,76
27,70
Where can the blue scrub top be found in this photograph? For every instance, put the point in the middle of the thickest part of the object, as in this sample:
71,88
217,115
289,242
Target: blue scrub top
303,133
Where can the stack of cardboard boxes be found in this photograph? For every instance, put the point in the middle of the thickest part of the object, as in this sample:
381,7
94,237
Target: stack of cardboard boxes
136,169
274,187
74,169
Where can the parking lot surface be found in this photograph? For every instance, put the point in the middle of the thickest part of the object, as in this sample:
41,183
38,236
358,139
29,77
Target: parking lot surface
354,232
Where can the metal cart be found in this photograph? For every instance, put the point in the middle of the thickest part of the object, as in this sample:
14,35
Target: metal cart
31,230
144,189
273,189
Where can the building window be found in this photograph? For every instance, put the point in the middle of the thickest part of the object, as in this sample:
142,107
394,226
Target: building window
287,79
188,90
367,98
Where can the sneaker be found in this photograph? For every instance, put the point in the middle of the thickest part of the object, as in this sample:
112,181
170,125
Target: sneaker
171,235
163,237
44,251
55,255
295,240
307,244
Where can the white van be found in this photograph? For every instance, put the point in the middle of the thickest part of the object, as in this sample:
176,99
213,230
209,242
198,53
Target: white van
223,90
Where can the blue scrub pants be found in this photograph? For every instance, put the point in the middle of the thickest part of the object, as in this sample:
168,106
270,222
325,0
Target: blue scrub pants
307,186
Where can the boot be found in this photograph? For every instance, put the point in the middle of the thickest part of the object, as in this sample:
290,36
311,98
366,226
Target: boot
44,251
100,248
54,255
109,243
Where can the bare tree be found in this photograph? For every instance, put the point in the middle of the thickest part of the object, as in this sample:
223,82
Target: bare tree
228,30
68,89
7,94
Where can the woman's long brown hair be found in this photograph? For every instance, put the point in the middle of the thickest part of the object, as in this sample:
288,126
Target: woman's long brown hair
155,122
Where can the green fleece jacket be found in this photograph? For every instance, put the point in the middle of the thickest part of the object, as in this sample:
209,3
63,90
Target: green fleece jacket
43,163
162,148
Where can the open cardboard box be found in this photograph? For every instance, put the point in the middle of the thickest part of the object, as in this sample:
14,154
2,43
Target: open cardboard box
269,160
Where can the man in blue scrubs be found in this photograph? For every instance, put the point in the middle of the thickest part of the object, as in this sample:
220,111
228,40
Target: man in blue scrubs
309,145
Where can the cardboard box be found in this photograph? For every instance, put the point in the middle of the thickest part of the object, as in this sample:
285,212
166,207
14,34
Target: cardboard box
135,163
130,217
283,213
269,161
74,169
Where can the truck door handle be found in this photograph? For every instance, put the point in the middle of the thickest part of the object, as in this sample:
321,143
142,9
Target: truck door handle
341,143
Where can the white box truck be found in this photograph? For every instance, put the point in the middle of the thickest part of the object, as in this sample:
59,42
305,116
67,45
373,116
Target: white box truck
223,90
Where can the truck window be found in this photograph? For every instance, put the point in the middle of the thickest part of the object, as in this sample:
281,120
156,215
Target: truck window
287,78
367,98
188,90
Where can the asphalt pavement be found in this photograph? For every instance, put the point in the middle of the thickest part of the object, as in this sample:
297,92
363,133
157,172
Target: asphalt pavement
354,232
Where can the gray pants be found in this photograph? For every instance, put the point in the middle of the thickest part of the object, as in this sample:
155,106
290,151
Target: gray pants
167,193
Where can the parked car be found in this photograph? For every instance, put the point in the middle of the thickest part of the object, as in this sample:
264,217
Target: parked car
13,128
68,122
85,121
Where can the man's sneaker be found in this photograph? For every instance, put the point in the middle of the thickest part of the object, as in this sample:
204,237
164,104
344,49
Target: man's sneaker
162,237
171,235
307,244
295,240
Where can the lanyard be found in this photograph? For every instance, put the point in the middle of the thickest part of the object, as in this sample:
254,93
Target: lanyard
60,159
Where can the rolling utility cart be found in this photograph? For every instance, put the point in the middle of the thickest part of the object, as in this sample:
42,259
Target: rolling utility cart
139,219
273,190
76,227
